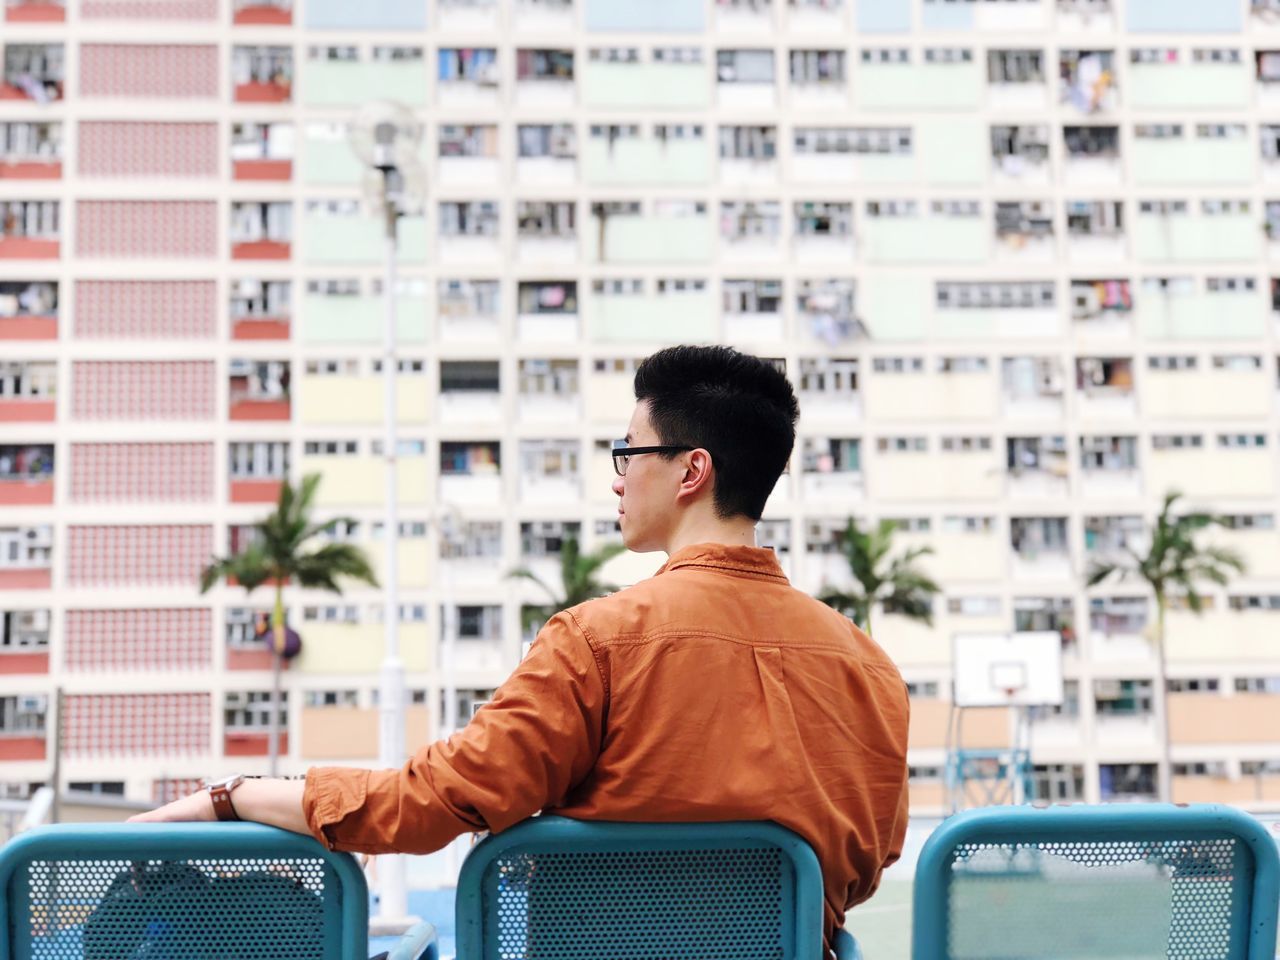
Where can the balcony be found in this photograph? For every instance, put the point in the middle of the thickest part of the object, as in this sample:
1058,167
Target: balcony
259,390
549,390
27,557
1104,388
470,391
1109,468
544,78
26,475
28,310
470,472
468,154
467,310
468,77
1040,550
33,71
35,11
1092,156
30,150
27,391
262,151
546,154
1101,309
260,309
1037,467
262,74
1088,84
30,230
1024,232
262,13
550,472
832,470
261,231
1020,155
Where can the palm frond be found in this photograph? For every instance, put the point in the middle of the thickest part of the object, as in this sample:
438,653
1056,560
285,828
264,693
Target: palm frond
524,573
320,569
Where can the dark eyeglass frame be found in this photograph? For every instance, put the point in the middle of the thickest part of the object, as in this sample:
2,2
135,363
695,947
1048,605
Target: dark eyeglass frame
622,454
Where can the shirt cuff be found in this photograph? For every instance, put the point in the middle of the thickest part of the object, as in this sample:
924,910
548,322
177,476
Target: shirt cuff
331,793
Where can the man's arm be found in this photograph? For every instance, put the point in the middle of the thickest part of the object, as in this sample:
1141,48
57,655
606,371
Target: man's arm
524,751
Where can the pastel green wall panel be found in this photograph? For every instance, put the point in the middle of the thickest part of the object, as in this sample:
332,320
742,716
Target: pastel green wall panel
1196,161
647,161
927,86
329,162
953,151
654,85
359,319
339,239
1195,86
1183,238
931,240
334,84
682,318
895,307
1203,316
651,239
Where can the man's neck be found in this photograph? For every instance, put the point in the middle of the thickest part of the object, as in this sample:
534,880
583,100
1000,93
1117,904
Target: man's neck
738,532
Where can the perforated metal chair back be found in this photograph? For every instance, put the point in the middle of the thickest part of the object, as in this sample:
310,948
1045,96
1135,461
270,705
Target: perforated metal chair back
557,889
179,892
1089,882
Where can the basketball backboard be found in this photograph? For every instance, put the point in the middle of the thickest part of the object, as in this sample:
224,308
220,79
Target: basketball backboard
1003,669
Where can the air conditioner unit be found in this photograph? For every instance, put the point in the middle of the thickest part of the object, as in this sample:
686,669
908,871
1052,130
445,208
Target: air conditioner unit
240,368
33,703
40,536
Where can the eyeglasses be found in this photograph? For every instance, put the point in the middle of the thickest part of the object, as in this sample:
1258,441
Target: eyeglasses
623,454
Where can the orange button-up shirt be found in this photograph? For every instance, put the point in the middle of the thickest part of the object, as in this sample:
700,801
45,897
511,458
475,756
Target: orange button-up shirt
712,691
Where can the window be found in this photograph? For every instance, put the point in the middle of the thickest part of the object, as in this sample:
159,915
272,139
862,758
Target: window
960,524
1005,295
331,613
546,538
1057,782
469,458
249,711
886,55
823,219
748,143
546,218
251,298
549,459
548,378
1154,55
330,448
832,455
974,606
25,140
1119,781
618,287
886,141
910,524
1122,698
557,141
1203,768
898,364
23,715
1237,362
902,444
775,535
479,622
477,65
544,65
1108,453
744,66
470,376
1032,536
330,698
35,219
1270,602
469,218
1157,131
817,67
922,689
1015,66
948,55
1117,615
24,631
26,547
892,208
751,297
1176,441
1242,441
684,55
1257,685
259,459
1169,363
1192,685
963,364
965,444
473,540
829,376
547,297
472,140
1032,614
1259,768
617,55
749,219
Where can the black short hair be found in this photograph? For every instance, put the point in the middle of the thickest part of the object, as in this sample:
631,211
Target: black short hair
738,407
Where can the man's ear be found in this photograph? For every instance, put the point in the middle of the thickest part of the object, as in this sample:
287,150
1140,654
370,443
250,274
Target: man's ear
699,475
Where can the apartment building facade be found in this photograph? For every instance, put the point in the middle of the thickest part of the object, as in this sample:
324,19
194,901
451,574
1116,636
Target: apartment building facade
1021,261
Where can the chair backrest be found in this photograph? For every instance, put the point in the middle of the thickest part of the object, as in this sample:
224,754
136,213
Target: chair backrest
179,891
558,889
1117,880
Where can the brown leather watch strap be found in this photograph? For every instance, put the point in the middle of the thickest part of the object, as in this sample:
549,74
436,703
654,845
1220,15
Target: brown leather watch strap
222,805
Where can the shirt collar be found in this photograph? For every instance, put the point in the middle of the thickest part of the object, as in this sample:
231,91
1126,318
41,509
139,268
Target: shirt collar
760,561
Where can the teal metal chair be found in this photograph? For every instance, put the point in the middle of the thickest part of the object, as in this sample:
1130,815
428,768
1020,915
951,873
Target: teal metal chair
1090,882
184,891
552,888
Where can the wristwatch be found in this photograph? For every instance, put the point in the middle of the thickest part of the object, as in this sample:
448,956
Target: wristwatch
220,794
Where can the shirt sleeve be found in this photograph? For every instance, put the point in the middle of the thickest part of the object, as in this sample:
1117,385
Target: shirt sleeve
519,754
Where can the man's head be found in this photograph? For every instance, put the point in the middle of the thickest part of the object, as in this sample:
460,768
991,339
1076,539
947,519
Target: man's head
732,415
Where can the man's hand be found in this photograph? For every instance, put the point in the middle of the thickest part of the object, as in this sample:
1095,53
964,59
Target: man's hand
197,806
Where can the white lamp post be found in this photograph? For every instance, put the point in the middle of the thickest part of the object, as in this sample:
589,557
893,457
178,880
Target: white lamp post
385,136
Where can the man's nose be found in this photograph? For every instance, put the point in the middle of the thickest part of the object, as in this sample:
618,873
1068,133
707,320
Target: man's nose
617,485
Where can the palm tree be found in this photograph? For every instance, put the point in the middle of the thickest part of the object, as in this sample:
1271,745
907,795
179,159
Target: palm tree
1173,564
895,583
276,556
578,578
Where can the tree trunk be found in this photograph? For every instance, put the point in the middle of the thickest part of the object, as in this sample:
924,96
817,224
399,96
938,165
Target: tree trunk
1164,772
277,645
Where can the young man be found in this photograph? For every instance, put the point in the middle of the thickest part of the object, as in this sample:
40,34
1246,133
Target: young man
711,691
